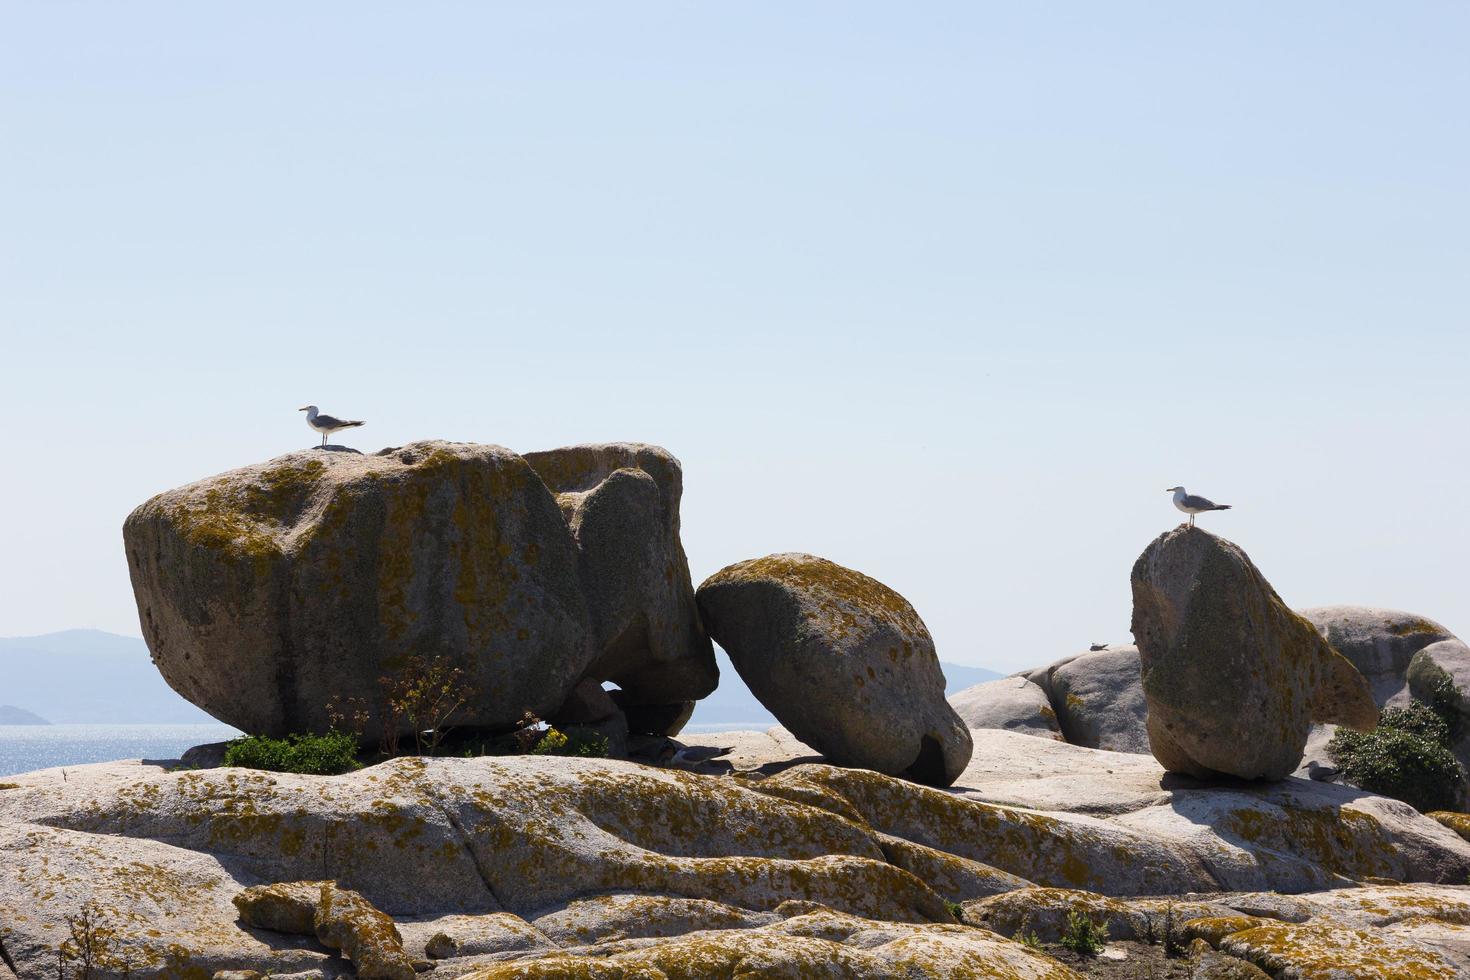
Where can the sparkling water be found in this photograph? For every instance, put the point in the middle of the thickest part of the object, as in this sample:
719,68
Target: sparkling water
27,747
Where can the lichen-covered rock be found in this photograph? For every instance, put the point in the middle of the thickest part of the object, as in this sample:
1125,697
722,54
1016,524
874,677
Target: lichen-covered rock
1044,911
819,943
1458,822
841,660
1379,642
1233,679
1011,703
621,503
346,921
288,907
1099,702
1330,952
563,859
265,591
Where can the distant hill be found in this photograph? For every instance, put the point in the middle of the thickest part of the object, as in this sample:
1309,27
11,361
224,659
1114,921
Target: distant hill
11,715
90,677
733,705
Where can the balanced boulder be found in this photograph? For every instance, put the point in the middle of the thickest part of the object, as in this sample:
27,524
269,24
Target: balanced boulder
1233,679
841,660
269,591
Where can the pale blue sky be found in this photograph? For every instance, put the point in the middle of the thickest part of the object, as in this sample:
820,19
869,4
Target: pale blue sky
945,292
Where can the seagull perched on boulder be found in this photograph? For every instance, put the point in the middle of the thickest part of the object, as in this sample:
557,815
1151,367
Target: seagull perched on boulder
1192,504
326,424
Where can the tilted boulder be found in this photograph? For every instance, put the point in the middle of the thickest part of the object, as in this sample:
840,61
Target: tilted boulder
621,503
1233,679
265,591
841,660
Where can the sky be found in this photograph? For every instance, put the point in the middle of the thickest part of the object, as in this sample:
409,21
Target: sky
947,293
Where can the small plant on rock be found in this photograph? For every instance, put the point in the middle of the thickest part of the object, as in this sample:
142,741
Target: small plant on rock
1163,930
426,694
1084,935
955,909
581,742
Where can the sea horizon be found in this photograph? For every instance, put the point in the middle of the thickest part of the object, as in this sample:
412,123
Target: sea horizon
28,748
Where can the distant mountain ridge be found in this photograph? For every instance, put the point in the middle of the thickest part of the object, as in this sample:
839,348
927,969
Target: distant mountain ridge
92,677
88,677
11,715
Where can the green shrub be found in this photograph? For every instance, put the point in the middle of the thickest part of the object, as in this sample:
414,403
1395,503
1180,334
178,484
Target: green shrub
1421,771
1084,935
315,755
1408,756
955,909
581,742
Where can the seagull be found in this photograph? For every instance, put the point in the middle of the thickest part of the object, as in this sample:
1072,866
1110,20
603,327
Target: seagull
1097,647
325,424
694,755
1191,504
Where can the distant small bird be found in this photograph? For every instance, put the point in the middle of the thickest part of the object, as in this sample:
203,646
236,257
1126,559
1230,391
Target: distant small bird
1096,647
1192,504
326,424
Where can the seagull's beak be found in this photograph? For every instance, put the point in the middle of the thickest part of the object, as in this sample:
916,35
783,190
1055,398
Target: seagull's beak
301,409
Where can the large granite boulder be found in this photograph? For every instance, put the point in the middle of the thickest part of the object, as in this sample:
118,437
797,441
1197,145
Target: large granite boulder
621,503
267,591
1099,700
1010,703
841,660
1233,679
1379,642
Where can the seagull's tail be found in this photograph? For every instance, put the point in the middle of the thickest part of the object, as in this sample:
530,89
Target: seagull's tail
1217,506
352,425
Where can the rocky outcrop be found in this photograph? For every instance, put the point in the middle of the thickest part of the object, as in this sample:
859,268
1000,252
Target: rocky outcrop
266,591
553,860
1372,932
1010,703
841,660
1233,679
339,919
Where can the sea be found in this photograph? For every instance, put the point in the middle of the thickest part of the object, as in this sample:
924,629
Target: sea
27,747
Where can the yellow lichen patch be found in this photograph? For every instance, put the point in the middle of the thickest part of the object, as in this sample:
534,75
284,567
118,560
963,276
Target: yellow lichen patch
1044,911
1342,840
1313,951
287,907
1410,627
841,594
1214,928
1458,822
1031,845
820,944
345,920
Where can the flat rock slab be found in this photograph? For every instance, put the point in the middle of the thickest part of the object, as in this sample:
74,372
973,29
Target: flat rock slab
539,862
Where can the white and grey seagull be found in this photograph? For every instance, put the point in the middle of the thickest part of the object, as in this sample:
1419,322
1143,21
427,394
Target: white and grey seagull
1193,504
326,424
